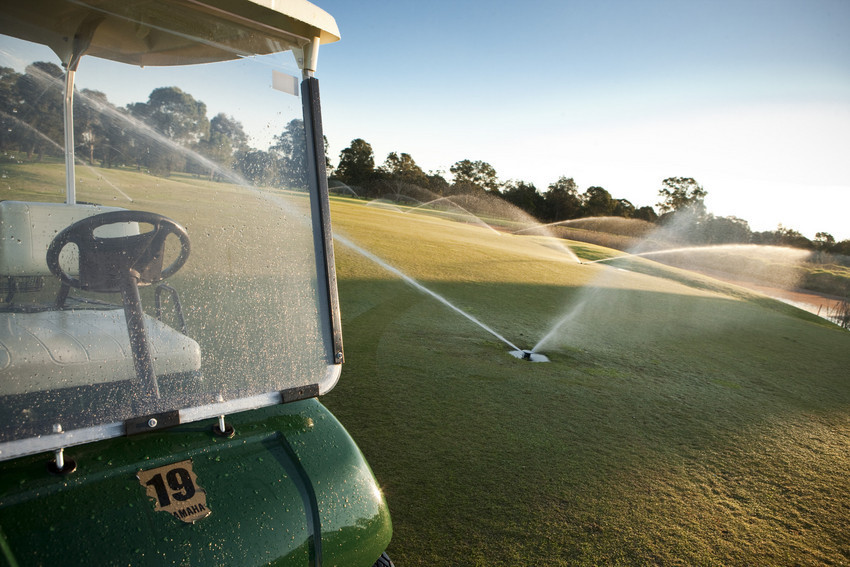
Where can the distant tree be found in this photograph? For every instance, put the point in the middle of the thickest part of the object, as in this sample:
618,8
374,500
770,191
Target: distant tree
561,201
792,237
824,240
680,194
178,117
476,175
117,144
842,247
782,236
437,183
623,208
258,167
89,130
525,196
403,168
9,101
41,95
646,213
328,167
290,147
356,163
723,230
226,140
231,129
175,114
597,202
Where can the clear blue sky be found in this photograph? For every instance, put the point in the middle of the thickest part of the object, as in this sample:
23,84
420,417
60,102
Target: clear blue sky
750,97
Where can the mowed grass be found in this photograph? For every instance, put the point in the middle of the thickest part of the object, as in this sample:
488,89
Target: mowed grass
252,312
682,421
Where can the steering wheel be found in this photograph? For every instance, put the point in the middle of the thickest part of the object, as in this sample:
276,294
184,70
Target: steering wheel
107,263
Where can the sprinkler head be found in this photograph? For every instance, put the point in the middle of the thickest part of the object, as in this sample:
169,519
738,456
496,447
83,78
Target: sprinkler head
529,355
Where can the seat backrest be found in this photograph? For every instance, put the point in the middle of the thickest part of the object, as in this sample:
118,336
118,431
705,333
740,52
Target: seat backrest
28,228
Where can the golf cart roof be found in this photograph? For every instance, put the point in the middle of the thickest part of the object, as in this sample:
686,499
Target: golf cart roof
143,33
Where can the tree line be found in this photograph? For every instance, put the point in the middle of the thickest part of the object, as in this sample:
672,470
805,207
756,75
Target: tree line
132,136
562,199
145,135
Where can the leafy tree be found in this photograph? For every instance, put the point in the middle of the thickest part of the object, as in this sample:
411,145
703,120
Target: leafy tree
178,117
782,236
328,167
41,89
475,174
561,201
680,194
437,183
525,196
9,100
597,202
218,149
117,145
723,230
404,168
792,237
291,148
646,213
258,167
824,240
623,208
842,247
226,139
356,163
230,129
175,114
89,131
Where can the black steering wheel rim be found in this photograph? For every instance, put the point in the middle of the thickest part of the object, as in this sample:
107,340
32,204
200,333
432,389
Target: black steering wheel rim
81,233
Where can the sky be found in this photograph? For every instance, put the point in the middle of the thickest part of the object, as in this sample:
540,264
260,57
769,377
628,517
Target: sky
751,98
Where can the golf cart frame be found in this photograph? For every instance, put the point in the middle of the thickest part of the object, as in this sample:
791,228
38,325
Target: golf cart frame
109,415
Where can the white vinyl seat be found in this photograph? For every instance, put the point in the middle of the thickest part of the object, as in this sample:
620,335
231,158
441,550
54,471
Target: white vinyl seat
52,348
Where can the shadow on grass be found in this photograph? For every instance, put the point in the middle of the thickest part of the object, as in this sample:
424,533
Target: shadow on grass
667,428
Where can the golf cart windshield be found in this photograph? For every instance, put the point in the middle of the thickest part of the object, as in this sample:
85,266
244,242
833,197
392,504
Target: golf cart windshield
164,248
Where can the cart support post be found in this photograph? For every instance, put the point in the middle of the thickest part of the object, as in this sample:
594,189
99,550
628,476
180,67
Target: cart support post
318,182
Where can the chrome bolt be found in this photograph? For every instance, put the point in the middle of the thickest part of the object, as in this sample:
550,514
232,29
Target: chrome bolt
152,422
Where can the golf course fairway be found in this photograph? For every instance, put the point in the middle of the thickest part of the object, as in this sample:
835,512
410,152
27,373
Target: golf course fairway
681,421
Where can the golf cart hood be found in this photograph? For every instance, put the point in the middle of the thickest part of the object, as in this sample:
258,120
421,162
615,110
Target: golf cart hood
290,487
167,33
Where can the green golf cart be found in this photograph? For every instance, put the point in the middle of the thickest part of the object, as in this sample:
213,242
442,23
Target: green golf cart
168,302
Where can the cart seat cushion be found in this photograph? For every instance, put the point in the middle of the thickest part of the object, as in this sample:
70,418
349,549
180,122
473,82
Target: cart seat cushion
28,228
78,347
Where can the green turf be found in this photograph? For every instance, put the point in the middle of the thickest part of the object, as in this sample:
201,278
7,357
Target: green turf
682,421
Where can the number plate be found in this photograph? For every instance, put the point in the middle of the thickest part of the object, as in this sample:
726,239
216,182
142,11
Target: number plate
175,489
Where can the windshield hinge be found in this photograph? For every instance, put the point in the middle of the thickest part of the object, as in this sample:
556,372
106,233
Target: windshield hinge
299,393
153,422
